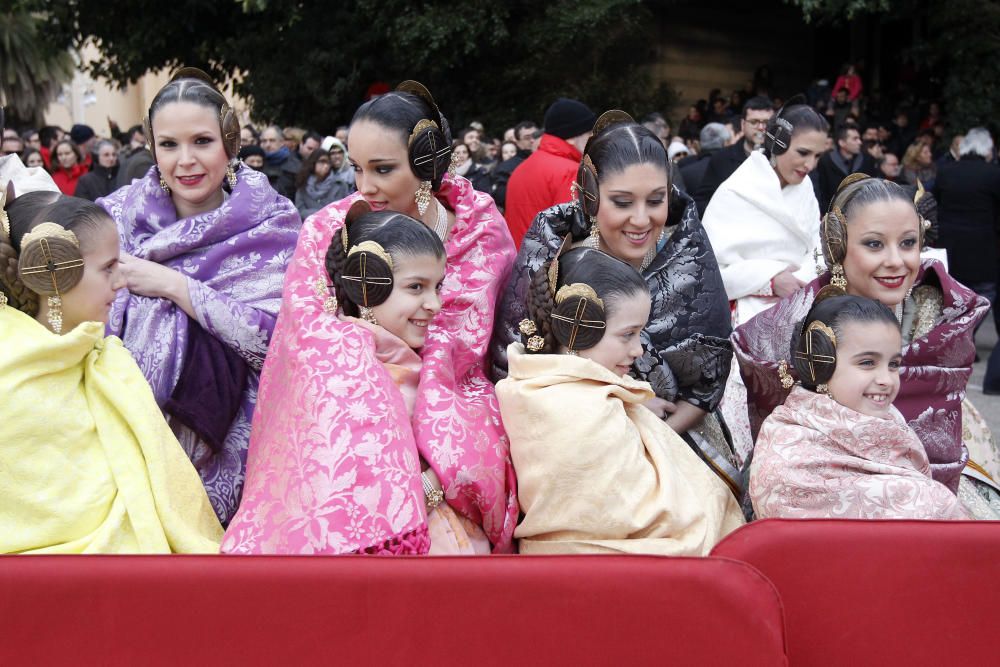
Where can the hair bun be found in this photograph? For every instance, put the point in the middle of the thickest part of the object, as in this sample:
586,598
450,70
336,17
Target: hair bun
609,118
578,319
429,152
193,73
367,276
50,262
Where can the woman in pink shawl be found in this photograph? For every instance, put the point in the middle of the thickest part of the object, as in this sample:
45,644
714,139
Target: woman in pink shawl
871,239
330,469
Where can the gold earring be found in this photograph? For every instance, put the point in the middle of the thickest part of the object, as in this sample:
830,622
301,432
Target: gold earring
823,389
231,177
55,314
423,196
163,184
368,315
3,299
786,379
594,240
838,280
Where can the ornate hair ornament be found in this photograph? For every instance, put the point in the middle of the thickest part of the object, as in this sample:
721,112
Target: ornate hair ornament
578,320
609,118
428,148
811,358
368,274
4,218
50,264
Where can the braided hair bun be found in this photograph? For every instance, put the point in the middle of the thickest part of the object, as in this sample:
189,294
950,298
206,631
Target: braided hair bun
50,262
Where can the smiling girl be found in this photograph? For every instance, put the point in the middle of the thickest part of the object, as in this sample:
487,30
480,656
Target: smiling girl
871,239
597,470
837,448
88,465
317,371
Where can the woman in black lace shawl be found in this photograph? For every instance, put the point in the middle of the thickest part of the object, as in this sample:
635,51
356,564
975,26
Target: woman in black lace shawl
687,353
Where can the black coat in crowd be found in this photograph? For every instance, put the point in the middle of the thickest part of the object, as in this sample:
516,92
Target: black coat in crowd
720,167
832,169
968,195
100,182
501,175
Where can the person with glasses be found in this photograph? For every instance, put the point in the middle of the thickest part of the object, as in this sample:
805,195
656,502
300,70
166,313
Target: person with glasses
756,114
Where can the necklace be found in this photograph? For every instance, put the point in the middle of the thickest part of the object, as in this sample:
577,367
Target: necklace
441,225
651,253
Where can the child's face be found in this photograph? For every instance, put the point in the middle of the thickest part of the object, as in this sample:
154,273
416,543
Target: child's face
620,346
90,299
415,298
867,375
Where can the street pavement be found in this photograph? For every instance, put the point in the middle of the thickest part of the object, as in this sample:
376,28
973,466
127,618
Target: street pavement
989,406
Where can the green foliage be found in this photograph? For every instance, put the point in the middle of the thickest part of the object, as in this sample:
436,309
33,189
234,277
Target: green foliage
309,62
32,70
963,40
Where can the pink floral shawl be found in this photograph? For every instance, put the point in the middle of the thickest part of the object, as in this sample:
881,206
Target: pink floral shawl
816,459
333,462
934,373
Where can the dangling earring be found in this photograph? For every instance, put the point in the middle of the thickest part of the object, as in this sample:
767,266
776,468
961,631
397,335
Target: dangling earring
163,183
786,379
823,389
774,161
55,314
838,280
231,177
423,196
453,165
3,299
594,240
368,315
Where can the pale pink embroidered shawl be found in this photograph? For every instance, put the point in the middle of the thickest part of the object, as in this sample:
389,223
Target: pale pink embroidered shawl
816,458
332,466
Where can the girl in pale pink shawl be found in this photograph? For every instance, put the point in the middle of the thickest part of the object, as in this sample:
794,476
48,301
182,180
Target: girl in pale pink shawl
332,465
837,448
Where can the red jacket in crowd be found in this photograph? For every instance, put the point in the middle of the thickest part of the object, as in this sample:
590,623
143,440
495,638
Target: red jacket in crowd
541,181
66,180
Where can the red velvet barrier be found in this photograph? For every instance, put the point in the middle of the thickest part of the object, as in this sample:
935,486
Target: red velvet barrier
880,592
217,610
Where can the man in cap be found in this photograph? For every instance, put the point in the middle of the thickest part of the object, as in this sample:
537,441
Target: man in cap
544,179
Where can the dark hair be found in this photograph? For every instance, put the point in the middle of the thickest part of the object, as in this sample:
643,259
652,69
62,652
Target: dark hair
803,117
854,192
398,234
524,125
401,111
623,145
312,135
28,152
21,213
842,130
200,91
309,166
80,216
54,159
611,278
815,347
757,103
131,132
47,135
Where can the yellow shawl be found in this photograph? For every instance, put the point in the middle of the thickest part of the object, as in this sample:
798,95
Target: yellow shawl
597,471
87,462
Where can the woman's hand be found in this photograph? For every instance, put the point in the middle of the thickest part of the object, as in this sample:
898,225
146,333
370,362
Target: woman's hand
785,284
660,407
146,278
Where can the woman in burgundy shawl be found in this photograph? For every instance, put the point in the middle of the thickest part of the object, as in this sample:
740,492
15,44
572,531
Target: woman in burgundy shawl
937,314
205,243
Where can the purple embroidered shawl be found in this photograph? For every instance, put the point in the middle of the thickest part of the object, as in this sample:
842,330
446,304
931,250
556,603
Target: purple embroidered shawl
933,376
235,259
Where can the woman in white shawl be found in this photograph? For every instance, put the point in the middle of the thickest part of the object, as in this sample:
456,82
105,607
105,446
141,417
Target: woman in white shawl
763,223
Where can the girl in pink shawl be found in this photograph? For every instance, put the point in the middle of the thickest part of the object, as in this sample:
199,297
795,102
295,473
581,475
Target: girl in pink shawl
837,448
332,465
871,239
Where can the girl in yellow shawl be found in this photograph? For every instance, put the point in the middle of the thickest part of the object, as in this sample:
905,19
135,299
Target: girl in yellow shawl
597,471
87,462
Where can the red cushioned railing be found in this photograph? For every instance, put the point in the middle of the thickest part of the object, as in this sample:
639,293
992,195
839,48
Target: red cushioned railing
216,610
880,592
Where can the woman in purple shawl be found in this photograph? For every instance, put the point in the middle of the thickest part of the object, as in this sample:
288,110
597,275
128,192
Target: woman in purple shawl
871,239
205,245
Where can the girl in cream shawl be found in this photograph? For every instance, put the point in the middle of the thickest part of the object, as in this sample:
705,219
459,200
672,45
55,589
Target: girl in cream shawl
763,223
597,471
838,448
88,464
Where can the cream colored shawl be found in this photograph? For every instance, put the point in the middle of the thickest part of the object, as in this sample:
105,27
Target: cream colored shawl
87,462
597,471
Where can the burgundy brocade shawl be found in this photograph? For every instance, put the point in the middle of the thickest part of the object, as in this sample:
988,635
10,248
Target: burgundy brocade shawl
934,373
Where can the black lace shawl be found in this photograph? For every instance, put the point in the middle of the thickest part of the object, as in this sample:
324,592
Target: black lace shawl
687,353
